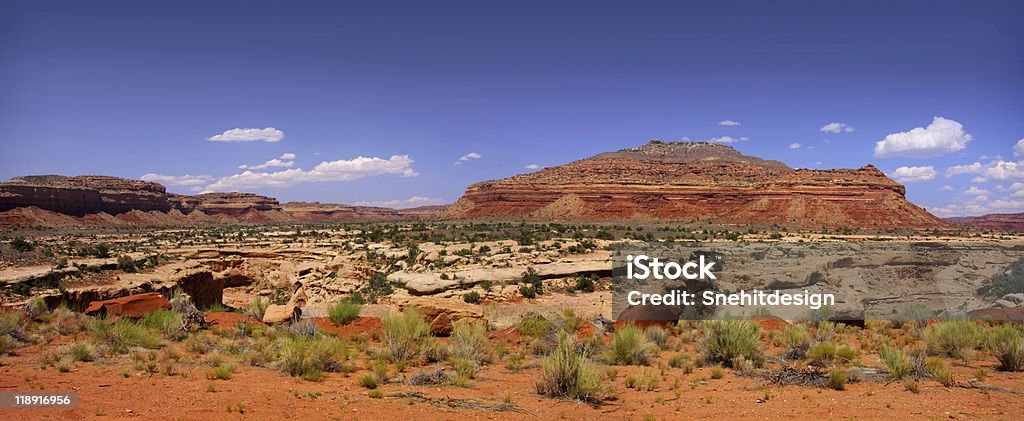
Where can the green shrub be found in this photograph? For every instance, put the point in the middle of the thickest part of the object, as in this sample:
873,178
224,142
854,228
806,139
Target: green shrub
584,284
724,340
124,334
837,379
657,335
898,363
471,297
568,374
167,322
534,325
797,341
223,372
369,381
1009,281
954,338
22,245
468,341
404,334
643,381
126,263
309,358
825,353
940,371
527,291
258,308
82,351
629,346
10,323
1007,344
35,307
344,312
465,367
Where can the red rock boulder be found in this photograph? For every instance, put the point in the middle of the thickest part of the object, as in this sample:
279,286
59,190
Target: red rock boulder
130,306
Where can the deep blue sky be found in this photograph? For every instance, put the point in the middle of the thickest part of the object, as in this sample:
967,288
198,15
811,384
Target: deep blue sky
132,88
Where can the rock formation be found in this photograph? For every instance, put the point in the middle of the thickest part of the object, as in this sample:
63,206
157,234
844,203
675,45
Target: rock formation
996,221
696,182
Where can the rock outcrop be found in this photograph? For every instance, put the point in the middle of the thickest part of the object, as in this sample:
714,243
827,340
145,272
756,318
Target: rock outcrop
134,306
995,221
696,182
60,201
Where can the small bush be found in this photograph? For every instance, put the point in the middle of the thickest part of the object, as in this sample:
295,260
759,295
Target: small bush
368,381
643,381
309,358
796,339
82,351
22,245
584,284
899,364
954,338
629,346
126,263
404,334
10,324
258,308
471,297
1007,344
567,373
344,312
223,372
168,322
837,379
124,334
657,335
35,307
534,325
468,341
724,340
940,371
527,291
825,353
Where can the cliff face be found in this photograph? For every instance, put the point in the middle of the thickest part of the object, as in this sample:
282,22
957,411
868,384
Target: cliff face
996,221
696,182
54,200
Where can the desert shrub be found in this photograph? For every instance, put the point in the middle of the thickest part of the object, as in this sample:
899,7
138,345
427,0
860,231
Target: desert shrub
310,358
257,308
825,353
222,372
344,312
584,284
437,376
724,340
35,307
199,344
898,363
837,379
10,324
657,335
468,341
22,245
569,321
404,334
7,343
303,328
912,314
629,346
368,381
677,360
534,325
1009,281
644,380
124,334
82,351
126,263
1007,344
465,368
940,371
567,373
471,297
531,278
796,339
954,338
164,321
527,291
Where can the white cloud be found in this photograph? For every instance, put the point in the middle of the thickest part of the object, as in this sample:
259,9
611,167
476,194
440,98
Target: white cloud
794,145
341,170
268,134
288,156
837,128
728,123
947,187
913,174
471,155
273,163
1018,148
178,180
724,139
975,191
411,202
993,170
532,166
964,169
941,137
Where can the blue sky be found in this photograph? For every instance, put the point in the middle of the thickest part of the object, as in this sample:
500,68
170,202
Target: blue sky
136,88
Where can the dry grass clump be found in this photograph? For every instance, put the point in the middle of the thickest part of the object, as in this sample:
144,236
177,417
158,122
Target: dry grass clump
469,342
404,335
1006,343
344,312
726,340
124,334
568,373
954,338
629,346
534,325
310,358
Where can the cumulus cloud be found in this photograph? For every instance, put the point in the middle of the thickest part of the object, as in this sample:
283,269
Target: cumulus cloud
993,170
411,202
964,169
178,180
284,161
1018,149
794,145
836,128
268,134
947,187
532,166
913,174
975,191
725,139
728,123
941,137
341,170
471,155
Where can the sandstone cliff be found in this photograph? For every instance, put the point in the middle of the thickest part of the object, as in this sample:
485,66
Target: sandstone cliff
696,182
996,221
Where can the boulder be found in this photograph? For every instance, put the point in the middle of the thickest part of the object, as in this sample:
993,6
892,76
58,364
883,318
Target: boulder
1017,298
281,313
441,313
1004,304
135,306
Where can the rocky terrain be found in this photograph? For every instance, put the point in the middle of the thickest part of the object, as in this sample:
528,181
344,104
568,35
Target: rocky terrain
60,201
997,221
697,182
